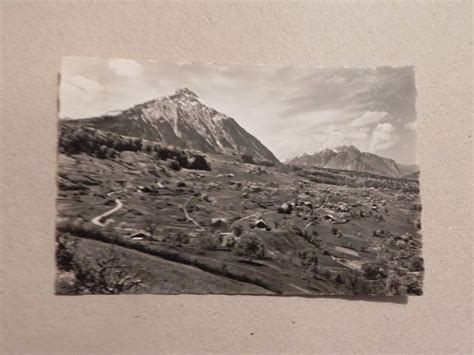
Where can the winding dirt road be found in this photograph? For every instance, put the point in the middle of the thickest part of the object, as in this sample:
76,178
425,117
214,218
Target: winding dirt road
188,217
97,220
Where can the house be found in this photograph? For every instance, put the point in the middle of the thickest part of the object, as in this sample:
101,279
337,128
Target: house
140,235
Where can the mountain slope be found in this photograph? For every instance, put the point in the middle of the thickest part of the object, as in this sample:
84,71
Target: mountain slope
184,121
409,169
350,158
415,175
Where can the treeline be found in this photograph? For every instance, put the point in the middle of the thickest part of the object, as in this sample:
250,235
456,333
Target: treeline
108,145
356,179
249,159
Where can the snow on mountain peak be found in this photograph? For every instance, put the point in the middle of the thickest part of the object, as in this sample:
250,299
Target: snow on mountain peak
345,148
325,151
186,92
182,120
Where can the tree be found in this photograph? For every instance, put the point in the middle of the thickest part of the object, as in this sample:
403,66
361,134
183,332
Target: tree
250,246
65,253
309,259
237,229
107,275
416,264
374,271
173,164
102,152
198,162
247,158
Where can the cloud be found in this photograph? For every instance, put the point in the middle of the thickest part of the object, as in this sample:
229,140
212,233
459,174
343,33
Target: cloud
369,118
125,67
78,93
292,110
411,126
83,84
383,137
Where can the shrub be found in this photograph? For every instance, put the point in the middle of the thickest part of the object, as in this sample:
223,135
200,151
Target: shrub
416,264
415,288
374,271
293,228
264,162
173,164
80,228
237,230
250,246
179,238
66,284
206,242
309,259
198,162
65,253
248,159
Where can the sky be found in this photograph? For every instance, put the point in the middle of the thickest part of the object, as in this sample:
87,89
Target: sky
291,109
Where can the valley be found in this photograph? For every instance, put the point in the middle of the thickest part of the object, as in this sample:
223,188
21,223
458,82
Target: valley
242,228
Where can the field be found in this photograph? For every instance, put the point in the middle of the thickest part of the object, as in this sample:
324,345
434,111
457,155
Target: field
133,223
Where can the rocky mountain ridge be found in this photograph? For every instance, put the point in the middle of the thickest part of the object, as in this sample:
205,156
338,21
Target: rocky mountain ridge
182,120
351,158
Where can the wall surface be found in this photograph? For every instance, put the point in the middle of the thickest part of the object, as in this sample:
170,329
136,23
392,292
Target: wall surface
436,37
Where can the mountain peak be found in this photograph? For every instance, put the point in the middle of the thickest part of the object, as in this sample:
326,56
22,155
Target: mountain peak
350,158
185,92
347,148
182,120
325,151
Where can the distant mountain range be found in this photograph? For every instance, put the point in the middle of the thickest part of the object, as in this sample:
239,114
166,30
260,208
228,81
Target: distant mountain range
351,158
182,120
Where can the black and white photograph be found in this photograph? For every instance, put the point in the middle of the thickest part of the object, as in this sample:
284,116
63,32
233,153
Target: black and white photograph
199,178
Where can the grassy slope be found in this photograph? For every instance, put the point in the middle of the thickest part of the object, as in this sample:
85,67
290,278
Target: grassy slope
124,174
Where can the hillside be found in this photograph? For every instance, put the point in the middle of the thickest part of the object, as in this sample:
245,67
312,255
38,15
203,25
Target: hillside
237,228
351,158
415,175
182,120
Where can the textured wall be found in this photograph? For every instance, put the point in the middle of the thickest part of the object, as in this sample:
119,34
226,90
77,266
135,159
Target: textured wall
436,37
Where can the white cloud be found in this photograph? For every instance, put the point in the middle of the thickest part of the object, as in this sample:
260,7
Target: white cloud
336,135
292,110
411,126
383,137
377,140
83,84
369,118
78,94
125,67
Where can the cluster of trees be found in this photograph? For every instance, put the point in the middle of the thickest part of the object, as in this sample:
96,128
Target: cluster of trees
250,246
249,159
78,139
107,145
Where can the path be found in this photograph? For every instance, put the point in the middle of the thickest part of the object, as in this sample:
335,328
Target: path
97,219
346,263
188,217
